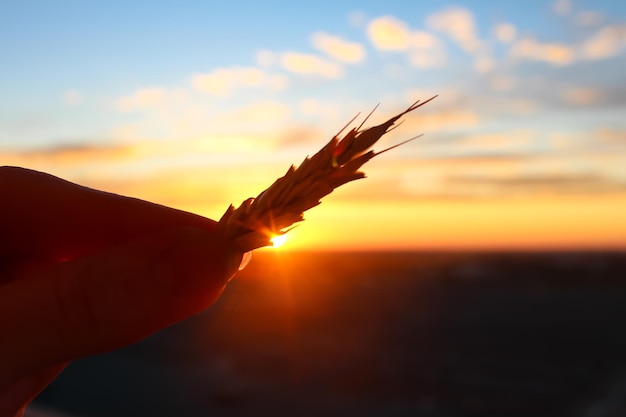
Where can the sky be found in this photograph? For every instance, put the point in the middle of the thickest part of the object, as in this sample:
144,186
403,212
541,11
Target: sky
197,105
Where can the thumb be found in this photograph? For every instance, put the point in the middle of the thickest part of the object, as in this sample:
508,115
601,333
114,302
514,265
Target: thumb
113,298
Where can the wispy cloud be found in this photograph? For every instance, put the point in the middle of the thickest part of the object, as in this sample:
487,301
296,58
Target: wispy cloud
551,52
505,32
573,183
582,96
424,49
612,135
606,42
502,82
264,113
389,33
223,81
309,64
338,48
457,23
427,50
141,99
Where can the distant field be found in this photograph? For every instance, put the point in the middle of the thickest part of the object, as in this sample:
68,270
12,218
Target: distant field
372,334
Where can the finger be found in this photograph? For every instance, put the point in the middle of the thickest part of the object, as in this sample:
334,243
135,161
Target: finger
15,398
43,217
107,300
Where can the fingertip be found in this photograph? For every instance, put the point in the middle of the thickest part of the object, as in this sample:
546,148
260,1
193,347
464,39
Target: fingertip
116,297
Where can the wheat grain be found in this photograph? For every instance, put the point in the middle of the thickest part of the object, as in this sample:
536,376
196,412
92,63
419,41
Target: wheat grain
279,207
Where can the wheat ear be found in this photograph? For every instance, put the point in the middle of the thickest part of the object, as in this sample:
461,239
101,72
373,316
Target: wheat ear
279,207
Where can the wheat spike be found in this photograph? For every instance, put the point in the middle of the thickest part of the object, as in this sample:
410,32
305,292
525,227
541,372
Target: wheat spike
280,206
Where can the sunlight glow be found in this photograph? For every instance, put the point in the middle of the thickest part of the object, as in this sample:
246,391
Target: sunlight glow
279,240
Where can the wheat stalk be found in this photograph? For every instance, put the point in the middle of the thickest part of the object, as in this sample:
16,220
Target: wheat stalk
279,207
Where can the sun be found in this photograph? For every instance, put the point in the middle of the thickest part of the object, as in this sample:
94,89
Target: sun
278,240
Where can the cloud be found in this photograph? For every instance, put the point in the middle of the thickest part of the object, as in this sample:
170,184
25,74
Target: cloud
427,50
262,119
606,42
483,63
127,132
552,53
524,106
265,58
68,156
502,82
72,97
141,99
223,81
582,96
308,64
310,106
458,24
263,112
561,183
298,135
514,141
589,18
562,7
505,32
424,49
440,120
424,40
338,48
422,177
427,59
389,33
611,135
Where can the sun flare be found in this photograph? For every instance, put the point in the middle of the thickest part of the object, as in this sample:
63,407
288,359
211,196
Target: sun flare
278,240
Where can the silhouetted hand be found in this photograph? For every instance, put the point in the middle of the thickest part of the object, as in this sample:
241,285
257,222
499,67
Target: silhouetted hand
84,272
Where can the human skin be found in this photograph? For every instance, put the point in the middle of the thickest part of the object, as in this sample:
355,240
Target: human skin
84,272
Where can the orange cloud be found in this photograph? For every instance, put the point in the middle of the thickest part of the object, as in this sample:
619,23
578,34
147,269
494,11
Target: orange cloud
266,112
424,49
483,63
503,82
222,81
76,162
427,50
458,24
605,43
308,64
389,33
552,53
582,96
505,32
440,120
141,99
611,135
338,48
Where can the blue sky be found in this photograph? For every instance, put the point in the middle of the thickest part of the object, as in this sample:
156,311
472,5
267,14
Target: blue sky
120,95
113,48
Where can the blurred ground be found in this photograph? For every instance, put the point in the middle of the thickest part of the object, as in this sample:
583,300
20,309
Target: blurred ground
380,334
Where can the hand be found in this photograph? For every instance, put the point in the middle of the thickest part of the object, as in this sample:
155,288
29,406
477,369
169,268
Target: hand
84,272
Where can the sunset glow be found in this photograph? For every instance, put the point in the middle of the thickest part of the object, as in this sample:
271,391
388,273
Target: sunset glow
278,241
525,147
